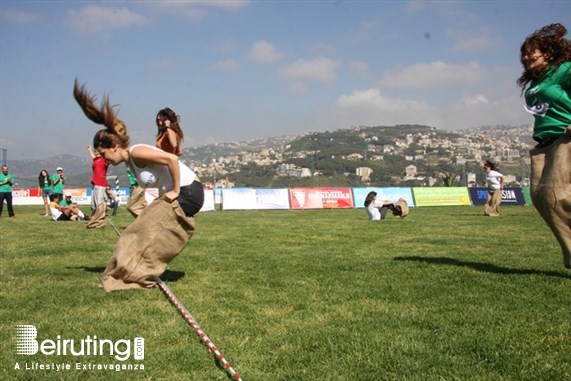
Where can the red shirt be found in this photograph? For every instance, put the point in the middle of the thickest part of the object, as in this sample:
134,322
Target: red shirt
99,167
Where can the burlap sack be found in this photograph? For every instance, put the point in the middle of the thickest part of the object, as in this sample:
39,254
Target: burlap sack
147,245
403,206
136,202
551,190
493,202
99,217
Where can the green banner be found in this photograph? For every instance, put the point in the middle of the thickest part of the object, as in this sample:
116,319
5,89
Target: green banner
441,196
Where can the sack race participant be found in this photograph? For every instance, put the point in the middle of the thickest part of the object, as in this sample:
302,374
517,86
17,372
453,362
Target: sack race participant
546,84
163,229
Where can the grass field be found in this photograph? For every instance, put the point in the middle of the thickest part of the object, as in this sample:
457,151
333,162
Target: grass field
445,294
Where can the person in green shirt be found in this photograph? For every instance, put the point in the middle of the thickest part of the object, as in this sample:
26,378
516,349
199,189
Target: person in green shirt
546,84
58,180
6,181
45,188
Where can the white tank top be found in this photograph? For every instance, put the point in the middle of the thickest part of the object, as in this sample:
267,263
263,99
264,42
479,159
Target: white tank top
159,176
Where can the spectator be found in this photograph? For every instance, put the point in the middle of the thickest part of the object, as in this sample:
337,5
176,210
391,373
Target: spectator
62,213
68,202
6,182
58,179
169,134
45,189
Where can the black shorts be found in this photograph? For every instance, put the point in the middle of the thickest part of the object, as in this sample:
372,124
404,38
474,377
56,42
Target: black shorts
191,198
63,217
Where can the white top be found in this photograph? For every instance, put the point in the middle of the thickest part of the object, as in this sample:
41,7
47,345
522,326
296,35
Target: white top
373,210
493,180
159,176
56,213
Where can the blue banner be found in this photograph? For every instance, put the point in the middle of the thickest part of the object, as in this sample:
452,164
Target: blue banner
389,194
510,196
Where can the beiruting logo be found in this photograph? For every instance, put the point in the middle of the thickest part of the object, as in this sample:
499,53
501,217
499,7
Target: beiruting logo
27,344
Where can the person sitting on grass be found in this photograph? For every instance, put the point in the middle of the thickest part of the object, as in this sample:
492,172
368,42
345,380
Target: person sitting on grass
62,213
377,210
67,202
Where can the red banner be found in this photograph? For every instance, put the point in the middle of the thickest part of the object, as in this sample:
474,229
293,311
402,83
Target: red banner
26,192
320,198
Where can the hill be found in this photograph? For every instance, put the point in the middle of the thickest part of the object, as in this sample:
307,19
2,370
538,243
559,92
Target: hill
403,155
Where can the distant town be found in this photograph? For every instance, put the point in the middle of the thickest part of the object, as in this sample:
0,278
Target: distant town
386,156
368,156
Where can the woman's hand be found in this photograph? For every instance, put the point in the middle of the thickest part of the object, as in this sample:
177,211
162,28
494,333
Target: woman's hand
567,131
171,196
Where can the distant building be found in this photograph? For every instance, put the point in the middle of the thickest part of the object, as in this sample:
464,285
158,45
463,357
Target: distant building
364,173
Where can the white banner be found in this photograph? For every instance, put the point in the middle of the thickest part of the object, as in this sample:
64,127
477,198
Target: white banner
152,193
254,199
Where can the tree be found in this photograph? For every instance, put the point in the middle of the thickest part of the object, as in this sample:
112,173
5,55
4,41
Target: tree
449,178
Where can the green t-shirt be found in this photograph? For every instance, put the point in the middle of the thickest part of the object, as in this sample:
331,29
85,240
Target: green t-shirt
6,187
66,204
58,188
549,100
47,184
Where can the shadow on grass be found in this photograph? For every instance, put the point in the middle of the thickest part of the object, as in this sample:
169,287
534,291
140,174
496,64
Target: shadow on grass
167,276
484,267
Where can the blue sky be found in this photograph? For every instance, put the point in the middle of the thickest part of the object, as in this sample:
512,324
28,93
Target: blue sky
238,70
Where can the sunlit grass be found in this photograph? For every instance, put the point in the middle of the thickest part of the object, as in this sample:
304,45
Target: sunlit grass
445,293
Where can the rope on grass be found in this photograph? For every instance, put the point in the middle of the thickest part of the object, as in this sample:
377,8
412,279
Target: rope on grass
190,320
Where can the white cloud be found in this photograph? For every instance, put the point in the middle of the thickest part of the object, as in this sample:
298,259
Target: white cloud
359,67
264,52
224,4
369,108
97,19
196,10
437,73
318,70
228,65
18,17
373,100
478,99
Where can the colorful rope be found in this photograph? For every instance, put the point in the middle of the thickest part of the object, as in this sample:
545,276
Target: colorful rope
190,320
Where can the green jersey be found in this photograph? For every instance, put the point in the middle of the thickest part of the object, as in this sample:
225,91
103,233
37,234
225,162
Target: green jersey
57,183
6,182
549,100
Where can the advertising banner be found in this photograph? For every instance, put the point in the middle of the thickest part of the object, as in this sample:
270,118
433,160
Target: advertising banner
389,194
321,198
254,199
32,196
510,196
441,196
208,201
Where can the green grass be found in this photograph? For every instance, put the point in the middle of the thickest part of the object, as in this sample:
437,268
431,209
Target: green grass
445,294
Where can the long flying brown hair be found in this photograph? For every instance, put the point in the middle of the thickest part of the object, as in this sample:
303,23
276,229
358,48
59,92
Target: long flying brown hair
168,114
115,132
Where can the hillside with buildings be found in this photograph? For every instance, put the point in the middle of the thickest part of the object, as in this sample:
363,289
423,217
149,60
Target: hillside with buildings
406,155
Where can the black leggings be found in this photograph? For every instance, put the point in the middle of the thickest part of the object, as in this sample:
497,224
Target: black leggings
191,198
